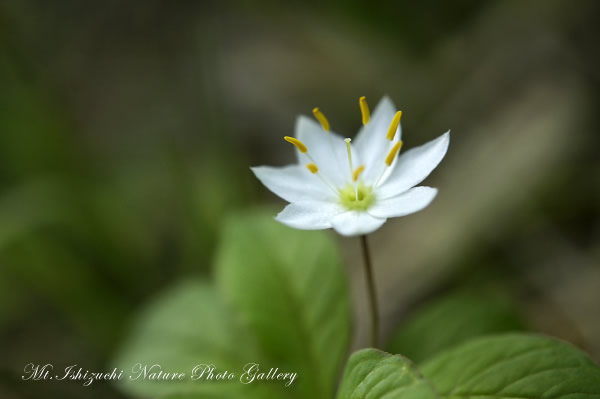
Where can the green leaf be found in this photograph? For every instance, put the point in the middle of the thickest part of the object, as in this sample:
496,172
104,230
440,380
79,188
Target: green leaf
187,326
514,366
372,374
452,320
291,291
281,301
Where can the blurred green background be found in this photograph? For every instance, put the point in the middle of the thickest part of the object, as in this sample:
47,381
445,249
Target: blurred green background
127,130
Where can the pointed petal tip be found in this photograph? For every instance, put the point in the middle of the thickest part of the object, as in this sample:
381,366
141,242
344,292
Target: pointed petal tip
386,99
443,141
278,218
411,201
256,171
433,192
260,170
445,138
304,122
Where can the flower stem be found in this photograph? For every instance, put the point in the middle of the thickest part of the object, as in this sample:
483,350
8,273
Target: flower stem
372,292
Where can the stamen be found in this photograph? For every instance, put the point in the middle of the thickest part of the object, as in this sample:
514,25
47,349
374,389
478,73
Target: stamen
394,126
364,110
357,172
321,118
312,167
297,143
393,152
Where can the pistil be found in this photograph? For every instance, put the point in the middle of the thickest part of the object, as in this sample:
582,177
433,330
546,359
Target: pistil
349,150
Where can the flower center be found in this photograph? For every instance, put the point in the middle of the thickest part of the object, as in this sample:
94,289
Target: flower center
357,197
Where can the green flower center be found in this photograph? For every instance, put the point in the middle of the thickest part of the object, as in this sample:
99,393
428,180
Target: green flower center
358,198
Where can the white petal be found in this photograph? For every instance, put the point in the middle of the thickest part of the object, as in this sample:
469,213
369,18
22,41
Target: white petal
371,142
309,215
413,166
327,149
292,183
353,223
404,204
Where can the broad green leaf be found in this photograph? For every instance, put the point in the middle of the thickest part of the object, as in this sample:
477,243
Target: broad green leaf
514,366
281,301
452,320
291,291
372,374
185,327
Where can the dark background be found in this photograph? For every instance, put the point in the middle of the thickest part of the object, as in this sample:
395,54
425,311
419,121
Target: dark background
127,130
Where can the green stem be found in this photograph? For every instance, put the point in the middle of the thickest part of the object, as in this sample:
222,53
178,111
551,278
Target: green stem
372,292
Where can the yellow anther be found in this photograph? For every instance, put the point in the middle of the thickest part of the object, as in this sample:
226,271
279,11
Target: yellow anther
394,126
357,172
312,167
393,152
364,110
321,118
297,143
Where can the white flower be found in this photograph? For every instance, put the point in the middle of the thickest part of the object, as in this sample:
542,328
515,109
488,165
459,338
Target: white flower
353,187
